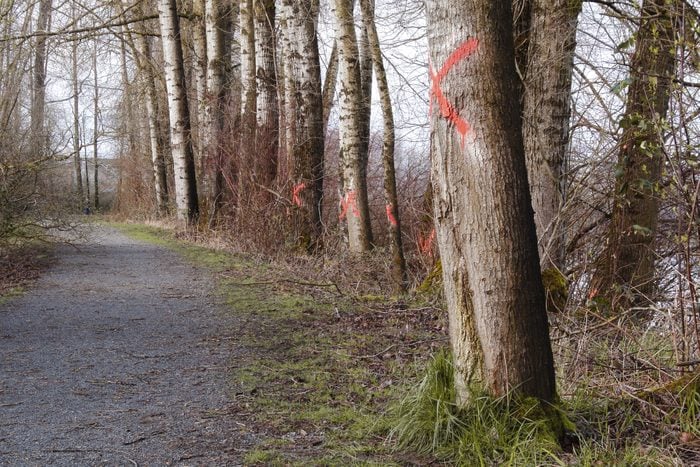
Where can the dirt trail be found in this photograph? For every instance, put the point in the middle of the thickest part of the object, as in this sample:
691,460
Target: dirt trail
115,358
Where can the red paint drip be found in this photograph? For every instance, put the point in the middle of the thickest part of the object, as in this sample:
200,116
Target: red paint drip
447,110
349,202
295,193
390,215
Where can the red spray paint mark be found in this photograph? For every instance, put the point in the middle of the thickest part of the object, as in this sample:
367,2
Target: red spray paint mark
425,244
295,193
349,202
390,215
447,110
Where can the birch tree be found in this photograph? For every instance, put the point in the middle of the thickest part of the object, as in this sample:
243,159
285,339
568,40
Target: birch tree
75,98
199,69
247,159
38,111
212,133
180,131
354,204
95,123
303,117
482,209
267,111
155,132
390,194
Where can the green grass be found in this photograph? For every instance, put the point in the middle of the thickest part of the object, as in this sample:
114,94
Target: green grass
487,432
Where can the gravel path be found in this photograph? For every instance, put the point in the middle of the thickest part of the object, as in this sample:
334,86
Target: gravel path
116,357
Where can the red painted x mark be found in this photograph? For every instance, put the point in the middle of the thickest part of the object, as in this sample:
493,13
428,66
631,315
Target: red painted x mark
447,110
295,193
349,202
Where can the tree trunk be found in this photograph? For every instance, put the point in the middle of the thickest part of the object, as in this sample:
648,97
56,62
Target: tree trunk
304,118
354,205
483,215
214,101
390,195
180,132
95,123
546,112
267,112
38,111
248,162
157,149
329,85
199,42
76,112
626,270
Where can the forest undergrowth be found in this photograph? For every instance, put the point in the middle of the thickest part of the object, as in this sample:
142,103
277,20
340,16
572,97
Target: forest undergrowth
337,370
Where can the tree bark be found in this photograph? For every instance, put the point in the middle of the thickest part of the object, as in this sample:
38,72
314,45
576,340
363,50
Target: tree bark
157,145
390,194
626,270
354,204
551,40
248,161
199,63
304,118
95,123
214,100
180,131
76,112
267,113
38,112
483,215
329,84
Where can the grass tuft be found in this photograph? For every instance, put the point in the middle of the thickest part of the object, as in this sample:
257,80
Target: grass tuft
488,431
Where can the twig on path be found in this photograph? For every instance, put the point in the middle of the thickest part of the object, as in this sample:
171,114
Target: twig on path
10,405
134,441
72,450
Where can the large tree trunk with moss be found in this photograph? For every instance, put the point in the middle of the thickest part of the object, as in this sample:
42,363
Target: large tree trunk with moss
303,118
180,130
626,270
390,194
550,42
354,204
483,214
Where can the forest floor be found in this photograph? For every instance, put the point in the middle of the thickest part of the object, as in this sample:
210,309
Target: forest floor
133,348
